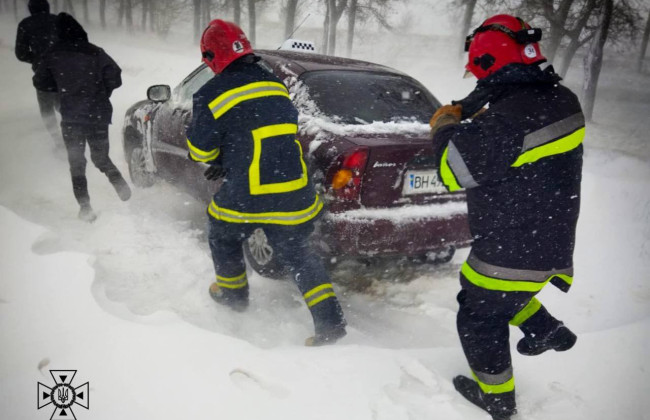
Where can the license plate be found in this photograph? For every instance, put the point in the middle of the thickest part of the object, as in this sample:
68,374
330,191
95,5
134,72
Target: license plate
422,182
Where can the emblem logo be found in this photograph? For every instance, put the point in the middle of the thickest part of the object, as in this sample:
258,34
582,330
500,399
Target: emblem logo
530,52
237,47
63,395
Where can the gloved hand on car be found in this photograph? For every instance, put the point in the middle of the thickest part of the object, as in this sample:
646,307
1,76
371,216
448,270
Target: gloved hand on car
215,171
445,115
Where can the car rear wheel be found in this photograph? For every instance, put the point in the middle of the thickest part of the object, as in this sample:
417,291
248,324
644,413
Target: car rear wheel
260,256
140,175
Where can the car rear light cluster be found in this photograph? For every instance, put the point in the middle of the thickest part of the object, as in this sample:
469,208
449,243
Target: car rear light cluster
346,181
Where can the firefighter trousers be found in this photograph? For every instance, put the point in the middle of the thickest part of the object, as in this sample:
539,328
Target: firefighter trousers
483,323
291,248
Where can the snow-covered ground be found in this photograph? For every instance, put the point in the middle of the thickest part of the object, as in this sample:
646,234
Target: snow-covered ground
124,302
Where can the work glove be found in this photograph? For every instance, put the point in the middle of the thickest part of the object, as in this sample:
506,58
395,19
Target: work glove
445,115
214,172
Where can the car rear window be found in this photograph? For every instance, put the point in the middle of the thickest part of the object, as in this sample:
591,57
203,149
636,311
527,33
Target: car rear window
357,97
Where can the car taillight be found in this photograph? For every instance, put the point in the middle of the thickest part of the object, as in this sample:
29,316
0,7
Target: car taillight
346,181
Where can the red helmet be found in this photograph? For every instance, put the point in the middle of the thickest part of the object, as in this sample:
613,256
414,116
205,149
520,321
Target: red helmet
222,43
501,40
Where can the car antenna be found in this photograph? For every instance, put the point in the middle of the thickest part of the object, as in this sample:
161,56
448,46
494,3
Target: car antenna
296,28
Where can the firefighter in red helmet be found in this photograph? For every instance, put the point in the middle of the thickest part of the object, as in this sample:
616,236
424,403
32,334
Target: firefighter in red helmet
244,126
520,161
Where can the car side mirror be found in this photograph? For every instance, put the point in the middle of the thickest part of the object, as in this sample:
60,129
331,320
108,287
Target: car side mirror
159,93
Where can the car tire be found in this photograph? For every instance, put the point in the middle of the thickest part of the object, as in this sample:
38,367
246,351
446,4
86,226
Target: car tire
138,172
260,256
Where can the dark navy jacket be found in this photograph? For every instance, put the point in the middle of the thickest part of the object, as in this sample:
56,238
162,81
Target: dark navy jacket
35,34
521,164
245,119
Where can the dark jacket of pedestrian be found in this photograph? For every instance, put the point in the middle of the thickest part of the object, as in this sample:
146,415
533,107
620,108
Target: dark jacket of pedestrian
36,33
82,73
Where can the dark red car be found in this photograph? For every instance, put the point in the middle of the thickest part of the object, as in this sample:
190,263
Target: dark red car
364,132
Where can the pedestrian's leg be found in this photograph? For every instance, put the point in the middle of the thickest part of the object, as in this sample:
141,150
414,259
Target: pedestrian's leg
541,330
47,103
231,285
482,323
75,143
99,148
294,251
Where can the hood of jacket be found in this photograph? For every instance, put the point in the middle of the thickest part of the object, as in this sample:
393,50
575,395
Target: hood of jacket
68,29
38,6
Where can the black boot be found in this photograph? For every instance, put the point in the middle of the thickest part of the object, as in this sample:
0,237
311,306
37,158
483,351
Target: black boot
121,187
329,323
86,213
499,406
559,338
235,299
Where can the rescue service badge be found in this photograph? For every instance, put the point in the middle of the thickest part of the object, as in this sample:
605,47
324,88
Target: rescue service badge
63,395
237,47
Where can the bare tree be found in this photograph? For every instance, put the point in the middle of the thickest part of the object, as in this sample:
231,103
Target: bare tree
335,10
102,13
68,7
466,25
574,35
128,14
197,18
84,7
644,44
594,60
251,21
364,10
290,17
55,6
236,11
206,15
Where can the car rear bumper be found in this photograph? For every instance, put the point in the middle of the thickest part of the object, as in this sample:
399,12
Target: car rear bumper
403,231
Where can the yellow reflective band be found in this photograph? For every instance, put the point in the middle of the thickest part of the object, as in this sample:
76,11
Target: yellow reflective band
491,283
236,282
200,155
320,299
528,311
317,289
319,294
556,147
447,175
278,218
255,185
496,389
232,279
227,100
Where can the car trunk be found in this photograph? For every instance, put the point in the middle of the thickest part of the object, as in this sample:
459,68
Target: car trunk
399,170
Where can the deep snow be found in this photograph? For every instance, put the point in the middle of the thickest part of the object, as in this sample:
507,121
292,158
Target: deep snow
124,300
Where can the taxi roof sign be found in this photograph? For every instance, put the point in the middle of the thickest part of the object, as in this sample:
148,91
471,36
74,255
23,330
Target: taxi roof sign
298,46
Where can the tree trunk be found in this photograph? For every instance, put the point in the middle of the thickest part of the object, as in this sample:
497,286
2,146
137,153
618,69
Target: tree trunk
352,20
16,10
236,10
644,45
143,18
84,5
205,16
152,15
326,26
55,6
197,19
567,57
290,19
594,60
336,11
128,14
467,23
102,13
557,19
251,21
120,13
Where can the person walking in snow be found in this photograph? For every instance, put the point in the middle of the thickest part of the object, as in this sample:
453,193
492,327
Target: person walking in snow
520,162
244,125
35,35
84,76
